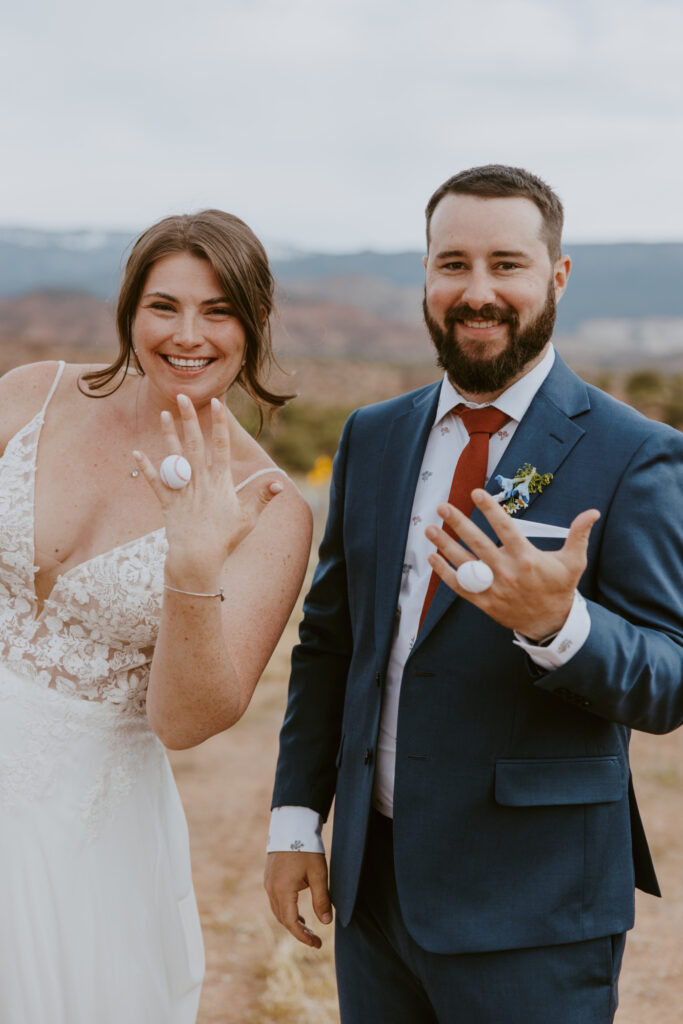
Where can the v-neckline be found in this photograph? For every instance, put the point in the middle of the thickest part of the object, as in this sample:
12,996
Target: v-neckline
61,576
38,422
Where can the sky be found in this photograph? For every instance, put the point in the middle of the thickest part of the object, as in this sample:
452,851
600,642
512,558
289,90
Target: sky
327,124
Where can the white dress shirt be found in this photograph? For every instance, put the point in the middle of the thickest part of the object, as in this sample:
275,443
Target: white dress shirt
300,827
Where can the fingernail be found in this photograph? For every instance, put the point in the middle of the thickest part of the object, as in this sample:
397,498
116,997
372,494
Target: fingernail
326,918
431,532
215,404
183,401
166,416
137,455
275,488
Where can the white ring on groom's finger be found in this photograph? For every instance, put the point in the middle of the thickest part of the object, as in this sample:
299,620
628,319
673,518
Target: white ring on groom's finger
474,576
175,472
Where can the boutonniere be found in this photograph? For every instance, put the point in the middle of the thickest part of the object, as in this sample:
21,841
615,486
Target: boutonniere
516,491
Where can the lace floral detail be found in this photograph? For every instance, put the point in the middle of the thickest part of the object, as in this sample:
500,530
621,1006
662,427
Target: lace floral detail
16,510
121,766
95,635
36,765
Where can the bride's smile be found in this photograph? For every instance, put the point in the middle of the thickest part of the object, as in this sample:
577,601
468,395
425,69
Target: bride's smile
186,334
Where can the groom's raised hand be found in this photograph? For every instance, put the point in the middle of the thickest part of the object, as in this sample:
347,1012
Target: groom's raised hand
289,873
532,590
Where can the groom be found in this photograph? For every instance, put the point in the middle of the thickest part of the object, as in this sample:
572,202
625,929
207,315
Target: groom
486,834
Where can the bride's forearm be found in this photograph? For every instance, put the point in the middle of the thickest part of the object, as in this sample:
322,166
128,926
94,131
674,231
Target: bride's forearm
211,653
194,690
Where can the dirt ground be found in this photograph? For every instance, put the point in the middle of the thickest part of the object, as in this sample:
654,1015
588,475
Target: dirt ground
256,975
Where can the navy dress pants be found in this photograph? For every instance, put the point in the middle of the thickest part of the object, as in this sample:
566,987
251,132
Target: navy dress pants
384,977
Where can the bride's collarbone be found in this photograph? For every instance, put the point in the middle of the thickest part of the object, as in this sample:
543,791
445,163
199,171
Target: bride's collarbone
67,535
84,509
87,499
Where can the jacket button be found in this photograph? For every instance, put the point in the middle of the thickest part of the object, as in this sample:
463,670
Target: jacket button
367,759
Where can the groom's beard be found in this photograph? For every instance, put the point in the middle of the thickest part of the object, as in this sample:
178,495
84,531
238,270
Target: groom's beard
479,375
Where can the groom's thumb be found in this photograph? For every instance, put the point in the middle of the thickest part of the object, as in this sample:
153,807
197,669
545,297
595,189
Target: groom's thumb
320,896
576,544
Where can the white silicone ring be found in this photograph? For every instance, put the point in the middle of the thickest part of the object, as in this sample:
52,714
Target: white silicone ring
474,576
175,472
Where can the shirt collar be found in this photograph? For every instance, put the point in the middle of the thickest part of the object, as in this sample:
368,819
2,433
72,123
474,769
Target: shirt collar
514,402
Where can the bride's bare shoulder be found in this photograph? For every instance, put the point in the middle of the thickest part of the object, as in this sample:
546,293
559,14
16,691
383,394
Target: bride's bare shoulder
24,389
251,463
247,455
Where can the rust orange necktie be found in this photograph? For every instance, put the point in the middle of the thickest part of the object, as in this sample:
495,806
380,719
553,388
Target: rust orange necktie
470,471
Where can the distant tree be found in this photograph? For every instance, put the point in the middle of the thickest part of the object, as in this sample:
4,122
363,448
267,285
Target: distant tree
645,387
604,381
300,433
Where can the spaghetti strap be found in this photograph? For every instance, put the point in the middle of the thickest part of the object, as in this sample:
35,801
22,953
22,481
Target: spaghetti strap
55,382
259,472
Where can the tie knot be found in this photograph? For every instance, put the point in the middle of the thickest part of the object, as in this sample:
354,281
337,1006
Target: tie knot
481,421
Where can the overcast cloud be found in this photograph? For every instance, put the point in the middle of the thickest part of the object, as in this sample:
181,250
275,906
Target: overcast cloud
328,124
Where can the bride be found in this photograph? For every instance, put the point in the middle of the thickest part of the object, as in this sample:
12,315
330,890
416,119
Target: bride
133,616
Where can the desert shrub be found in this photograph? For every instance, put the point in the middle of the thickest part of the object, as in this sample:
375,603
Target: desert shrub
604,381
645,387
672,413
298,434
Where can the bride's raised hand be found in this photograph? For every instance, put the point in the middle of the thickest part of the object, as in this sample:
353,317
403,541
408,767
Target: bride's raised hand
206,519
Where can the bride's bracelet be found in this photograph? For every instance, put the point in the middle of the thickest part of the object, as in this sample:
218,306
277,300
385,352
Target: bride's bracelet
192,593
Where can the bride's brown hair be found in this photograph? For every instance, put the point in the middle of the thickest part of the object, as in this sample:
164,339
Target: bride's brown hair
241,267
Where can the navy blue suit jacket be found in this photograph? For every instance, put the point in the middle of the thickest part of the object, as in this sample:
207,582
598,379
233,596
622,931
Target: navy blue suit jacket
515,821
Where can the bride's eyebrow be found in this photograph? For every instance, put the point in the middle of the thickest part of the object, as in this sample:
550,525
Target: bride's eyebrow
221,300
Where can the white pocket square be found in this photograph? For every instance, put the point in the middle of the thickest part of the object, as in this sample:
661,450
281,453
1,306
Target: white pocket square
530,529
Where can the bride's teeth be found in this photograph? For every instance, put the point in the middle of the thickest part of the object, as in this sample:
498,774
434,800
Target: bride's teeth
184,364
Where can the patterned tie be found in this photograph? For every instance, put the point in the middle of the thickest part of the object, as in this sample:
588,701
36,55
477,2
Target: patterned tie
470,471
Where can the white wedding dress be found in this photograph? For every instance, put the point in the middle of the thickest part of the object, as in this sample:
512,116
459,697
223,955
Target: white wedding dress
98,919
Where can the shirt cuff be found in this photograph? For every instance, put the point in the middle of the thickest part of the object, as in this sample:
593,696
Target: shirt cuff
565,644
295,828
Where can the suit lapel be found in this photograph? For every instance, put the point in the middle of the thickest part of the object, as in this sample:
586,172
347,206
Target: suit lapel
403,453
544,438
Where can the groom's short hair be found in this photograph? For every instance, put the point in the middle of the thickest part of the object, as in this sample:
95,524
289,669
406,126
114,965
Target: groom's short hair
495,181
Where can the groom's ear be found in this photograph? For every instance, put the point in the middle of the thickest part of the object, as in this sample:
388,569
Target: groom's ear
561,271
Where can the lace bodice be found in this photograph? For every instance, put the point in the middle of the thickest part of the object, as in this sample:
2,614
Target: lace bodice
95,635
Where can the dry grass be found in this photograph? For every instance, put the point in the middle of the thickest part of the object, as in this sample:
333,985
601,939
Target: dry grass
300,985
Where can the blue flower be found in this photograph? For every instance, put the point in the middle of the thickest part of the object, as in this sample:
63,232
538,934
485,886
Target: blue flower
516,491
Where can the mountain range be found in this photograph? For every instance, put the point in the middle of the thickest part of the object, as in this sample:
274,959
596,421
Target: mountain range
624,302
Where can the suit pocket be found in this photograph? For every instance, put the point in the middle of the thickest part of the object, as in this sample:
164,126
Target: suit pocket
538,782
547,543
